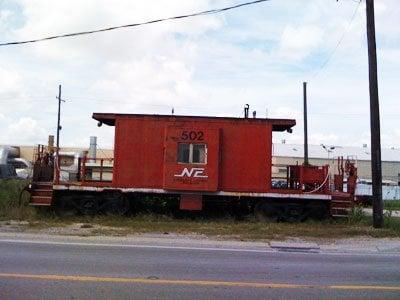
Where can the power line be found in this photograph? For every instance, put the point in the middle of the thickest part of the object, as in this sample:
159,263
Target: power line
325,63
202,13
26,97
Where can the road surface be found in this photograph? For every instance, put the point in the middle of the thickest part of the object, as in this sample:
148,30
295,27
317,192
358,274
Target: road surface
32,269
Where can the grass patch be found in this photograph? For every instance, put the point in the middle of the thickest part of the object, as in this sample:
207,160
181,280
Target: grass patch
10,208
392,204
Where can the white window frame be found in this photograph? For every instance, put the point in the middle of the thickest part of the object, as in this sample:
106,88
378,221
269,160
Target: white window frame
191,154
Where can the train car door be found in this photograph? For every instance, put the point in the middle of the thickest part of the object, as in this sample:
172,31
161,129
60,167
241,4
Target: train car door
191,159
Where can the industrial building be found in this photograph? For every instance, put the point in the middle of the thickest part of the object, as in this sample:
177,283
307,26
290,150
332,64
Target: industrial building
327,154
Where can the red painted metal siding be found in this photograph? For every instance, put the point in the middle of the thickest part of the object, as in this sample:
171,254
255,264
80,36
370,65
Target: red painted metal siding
238,160
139,153
246,157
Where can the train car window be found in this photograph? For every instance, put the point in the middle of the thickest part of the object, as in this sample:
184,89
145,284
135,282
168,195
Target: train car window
66,160
199,153
183,153
192,153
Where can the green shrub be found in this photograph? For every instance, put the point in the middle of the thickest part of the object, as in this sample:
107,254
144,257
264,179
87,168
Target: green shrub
392,204
10,191
356,215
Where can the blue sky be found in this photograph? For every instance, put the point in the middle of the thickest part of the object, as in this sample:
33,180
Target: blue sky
210,65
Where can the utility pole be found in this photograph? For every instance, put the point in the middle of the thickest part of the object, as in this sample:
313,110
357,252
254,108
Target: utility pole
58,118
305,123
376,166
58,134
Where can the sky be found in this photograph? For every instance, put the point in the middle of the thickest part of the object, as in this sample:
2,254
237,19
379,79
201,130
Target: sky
207,65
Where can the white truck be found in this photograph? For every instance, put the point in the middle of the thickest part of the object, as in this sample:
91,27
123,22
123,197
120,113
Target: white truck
13,166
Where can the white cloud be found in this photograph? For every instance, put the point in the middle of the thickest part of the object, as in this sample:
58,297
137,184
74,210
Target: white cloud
299,42
207,65
49,17
3,118
26,131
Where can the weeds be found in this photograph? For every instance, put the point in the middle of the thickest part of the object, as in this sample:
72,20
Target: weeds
10,206
391,204
356,215
390,221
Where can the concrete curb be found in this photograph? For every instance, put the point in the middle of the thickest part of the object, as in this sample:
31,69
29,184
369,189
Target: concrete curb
340,247
294,247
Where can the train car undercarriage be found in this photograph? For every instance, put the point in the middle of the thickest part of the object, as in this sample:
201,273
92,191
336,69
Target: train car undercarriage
69,200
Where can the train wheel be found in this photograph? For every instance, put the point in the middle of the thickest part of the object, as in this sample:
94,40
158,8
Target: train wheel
265,211
294,213
117,205
66,207
88,205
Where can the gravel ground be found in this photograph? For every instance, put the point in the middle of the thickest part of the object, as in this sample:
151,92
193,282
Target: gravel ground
104,234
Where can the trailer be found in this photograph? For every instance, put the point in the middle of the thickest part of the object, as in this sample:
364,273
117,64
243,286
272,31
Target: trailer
196,160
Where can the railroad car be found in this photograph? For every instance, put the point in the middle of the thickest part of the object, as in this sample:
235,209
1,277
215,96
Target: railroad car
196,160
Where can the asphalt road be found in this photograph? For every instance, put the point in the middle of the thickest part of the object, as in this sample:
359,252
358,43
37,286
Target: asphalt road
37,270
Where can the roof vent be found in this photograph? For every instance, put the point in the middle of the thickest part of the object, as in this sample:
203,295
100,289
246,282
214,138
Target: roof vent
246,111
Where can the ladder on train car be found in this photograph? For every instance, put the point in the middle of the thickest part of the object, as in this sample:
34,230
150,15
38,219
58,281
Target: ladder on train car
41,188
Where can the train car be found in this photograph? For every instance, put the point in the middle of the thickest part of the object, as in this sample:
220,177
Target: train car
196,160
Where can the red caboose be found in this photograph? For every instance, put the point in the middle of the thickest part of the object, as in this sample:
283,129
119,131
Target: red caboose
200,154
196,159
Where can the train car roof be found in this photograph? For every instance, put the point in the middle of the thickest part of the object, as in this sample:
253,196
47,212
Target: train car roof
277,124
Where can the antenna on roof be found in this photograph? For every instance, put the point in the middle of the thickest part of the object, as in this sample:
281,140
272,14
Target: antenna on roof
172,111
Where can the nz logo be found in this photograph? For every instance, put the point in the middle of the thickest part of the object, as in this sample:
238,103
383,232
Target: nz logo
193,172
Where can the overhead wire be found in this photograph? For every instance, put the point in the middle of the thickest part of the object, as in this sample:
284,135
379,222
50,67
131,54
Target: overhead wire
202,13
103,152
332,53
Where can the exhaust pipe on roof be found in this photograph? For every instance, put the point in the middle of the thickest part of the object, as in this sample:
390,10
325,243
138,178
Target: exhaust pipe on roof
50,144
93,148
246,111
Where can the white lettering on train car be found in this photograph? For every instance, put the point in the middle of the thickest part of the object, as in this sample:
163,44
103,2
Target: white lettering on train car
193,172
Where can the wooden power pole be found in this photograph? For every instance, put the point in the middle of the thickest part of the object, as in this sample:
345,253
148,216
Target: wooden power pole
57,161
305,123
58,119
376,166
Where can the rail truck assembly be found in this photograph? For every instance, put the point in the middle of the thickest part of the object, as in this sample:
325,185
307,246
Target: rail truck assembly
196,161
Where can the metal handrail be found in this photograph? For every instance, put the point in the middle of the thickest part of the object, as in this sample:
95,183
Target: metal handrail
84,166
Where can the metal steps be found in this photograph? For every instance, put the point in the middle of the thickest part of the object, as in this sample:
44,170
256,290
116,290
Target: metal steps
341,207
41,193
